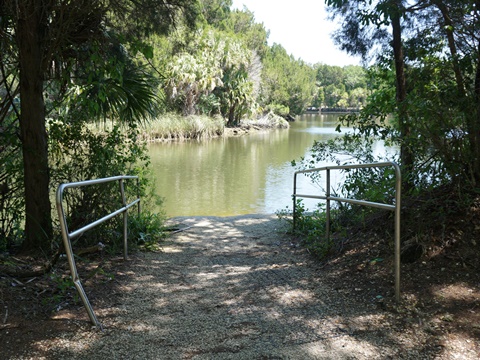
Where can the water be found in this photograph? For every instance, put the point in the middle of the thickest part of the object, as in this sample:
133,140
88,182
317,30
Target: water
237,175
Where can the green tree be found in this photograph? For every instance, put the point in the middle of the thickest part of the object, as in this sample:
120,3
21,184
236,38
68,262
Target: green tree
47,38
460,26
215,12
357,97
355,77
195,73
241,23
287,81
342,87
329,75
433,50
335,95
319,99
450,85
213,64
364,25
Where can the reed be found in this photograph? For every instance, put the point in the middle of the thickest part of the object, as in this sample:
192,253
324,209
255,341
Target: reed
178,127
171,126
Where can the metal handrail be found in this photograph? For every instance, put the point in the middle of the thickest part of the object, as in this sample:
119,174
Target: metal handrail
328,198
67,237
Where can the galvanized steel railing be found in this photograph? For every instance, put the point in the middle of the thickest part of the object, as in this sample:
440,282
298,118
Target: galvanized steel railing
395,207
68,236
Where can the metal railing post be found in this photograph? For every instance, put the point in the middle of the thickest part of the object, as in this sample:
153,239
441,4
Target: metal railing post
68,236
125,220
396,207
71,260
294,200
327,226
138,196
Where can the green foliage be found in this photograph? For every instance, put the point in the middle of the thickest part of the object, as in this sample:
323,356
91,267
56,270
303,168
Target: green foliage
227,68
370,184
268,121
116,92
310,227
341,87
64,290
77,60
241,24
211,76
146,230
151,17
11,184
173,126
236,96
278,109
209,105
80,153
12,200
215,12
437,117
286,81
110,86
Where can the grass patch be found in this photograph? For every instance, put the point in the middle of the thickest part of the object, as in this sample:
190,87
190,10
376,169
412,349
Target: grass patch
310,227
178,127
195,127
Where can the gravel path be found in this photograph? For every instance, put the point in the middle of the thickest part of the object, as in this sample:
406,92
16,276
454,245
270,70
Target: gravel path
232,288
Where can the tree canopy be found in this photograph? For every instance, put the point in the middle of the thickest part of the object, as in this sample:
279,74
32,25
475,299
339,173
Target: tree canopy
431,48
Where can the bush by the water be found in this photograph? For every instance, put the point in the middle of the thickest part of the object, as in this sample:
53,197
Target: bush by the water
178,127
194,127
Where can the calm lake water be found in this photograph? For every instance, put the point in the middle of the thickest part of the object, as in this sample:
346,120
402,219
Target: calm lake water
237,175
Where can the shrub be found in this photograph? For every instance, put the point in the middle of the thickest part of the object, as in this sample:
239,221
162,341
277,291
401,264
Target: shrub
82,153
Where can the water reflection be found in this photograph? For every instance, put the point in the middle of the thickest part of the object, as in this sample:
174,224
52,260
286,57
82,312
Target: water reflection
234,176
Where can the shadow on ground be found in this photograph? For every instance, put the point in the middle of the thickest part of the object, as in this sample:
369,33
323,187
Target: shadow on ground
239,288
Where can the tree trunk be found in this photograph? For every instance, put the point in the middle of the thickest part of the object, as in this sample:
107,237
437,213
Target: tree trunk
30,36
406,153
448,26
231,116
474,126
472,117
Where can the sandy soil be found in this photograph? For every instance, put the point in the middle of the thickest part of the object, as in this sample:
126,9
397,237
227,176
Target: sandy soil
236,288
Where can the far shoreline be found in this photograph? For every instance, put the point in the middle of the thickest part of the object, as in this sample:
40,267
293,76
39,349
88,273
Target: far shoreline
179,129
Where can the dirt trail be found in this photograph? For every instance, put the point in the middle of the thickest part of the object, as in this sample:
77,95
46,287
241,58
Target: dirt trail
232,288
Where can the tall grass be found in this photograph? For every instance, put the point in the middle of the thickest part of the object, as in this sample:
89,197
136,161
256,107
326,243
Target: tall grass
194,127
178,127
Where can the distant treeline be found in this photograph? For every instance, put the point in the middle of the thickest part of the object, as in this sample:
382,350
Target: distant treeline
340,88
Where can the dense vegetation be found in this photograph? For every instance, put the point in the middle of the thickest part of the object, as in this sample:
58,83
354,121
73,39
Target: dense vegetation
202,60
182,64
339,87
424,99
83,83
64,65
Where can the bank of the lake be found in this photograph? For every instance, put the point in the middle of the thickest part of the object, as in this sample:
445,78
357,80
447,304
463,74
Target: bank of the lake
174,127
